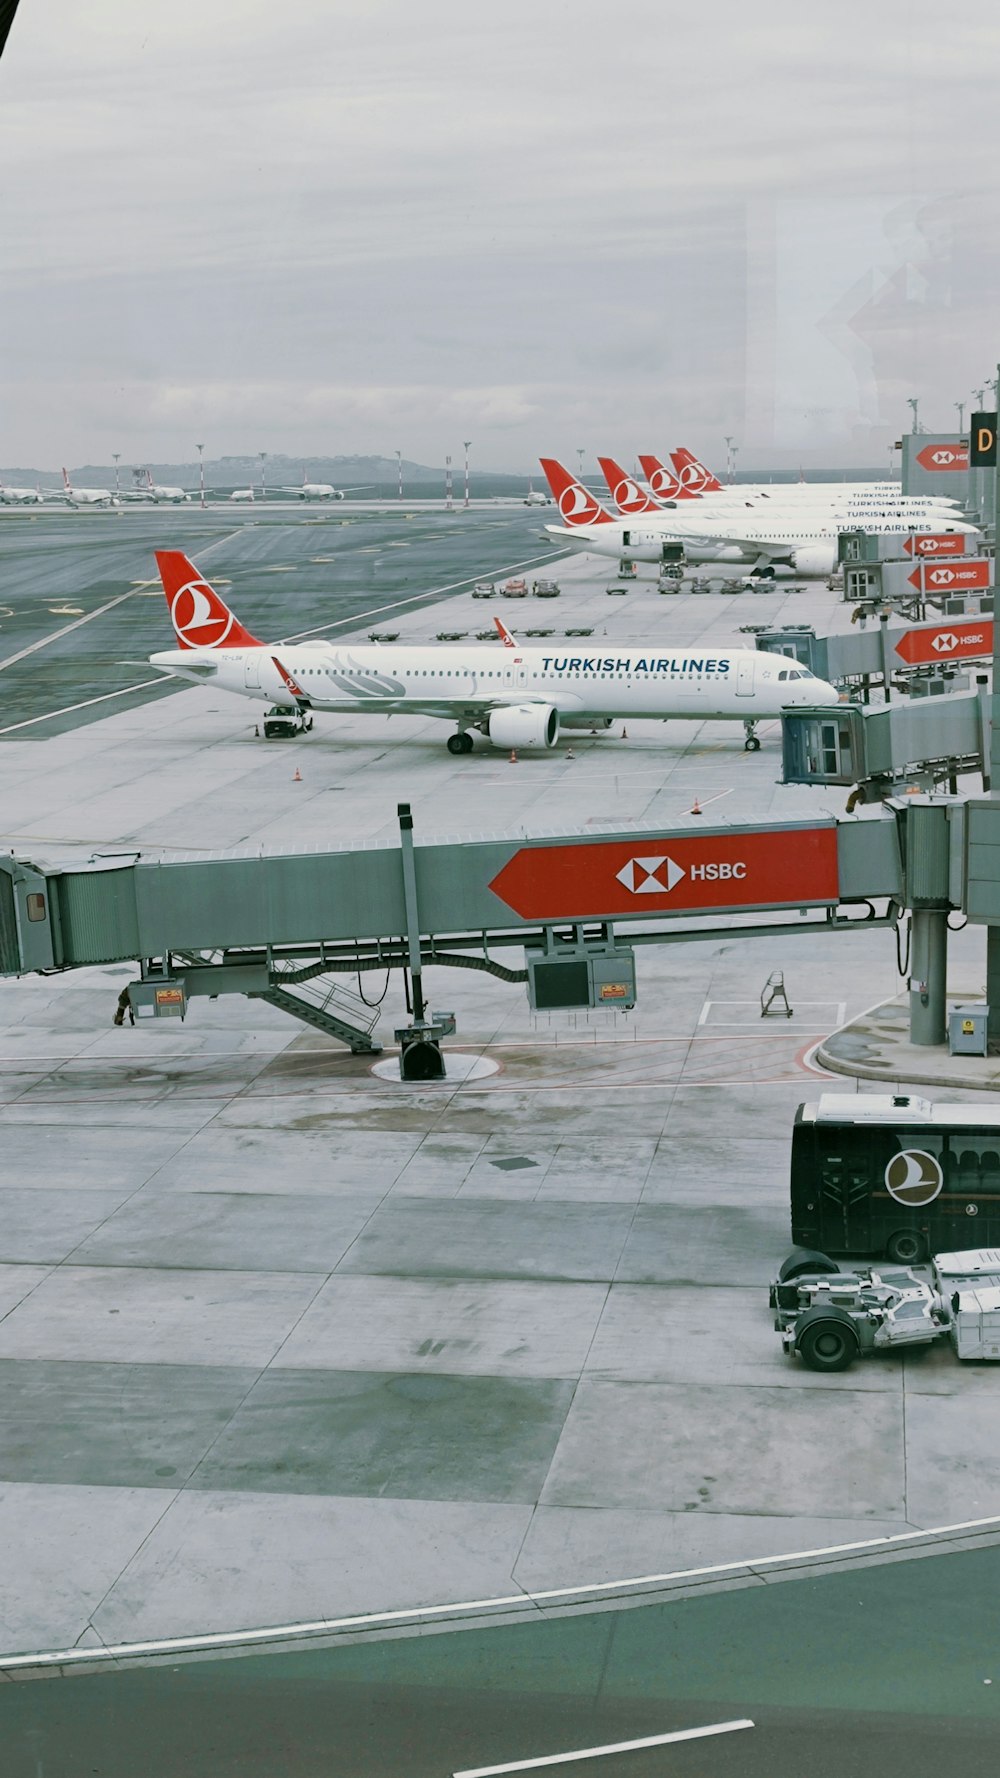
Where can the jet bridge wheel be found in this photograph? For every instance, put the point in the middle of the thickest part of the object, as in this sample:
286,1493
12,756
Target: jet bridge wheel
827,1339
460,743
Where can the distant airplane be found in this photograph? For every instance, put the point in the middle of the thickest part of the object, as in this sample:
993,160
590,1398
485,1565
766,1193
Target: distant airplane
242,494
520,697
20,496
536,498
322,490
163,495
85,496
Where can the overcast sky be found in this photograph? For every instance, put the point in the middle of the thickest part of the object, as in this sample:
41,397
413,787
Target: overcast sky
370,225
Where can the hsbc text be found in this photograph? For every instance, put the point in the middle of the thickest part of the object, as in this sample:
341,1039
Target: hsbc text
716,872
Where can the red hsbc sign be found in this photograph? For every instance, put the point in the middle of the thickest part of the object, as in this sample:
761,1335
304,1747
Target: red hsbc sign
950,577
672,873
937,457
936,543
945,642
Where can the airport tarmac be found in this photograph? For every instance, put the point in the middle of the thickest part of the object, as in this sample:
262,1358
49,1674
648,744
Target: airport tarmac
283,1340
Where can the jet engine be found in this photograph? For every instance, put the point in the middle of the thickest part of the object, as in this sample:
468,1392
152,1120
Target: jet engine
815,558
524,725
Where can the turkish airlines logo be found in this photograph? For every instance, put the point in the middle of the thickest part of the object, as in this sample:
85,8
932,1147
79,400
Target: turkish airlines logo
642,876
914,1177
198,619
630,497
663,483
694,477
577,506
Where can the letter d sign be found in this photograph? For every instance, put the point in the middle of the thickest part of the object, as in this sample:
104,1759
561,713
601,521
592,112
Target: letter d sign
983,441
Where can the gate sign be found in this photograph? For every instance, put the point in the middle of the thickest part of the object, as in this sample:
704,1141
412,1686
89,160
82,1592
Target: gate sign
938,458
952,577
983,441
945,642
936,543
673,874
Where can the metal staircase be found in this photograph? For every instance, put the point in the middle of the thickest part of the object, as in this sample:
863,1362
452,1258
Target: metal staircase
325,1005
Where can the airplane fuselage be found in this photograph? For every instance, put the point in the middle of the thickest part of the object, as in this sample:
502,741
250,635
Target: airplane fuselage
806,540
695,683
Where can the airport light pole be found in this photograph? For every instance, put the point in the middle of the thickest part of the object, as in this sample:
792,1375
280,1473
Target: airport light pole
729,457
117,457
447,484
734,451
960,409
913,401
467,442
201,474
399,467
263,490
579,453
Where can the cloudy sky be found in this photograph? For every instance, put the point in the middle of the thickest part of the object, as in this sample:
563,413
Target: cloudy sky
370,225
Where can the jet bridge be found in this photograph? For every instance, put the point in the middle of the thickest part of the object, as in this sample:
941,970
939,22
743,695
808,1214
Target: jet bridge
289,927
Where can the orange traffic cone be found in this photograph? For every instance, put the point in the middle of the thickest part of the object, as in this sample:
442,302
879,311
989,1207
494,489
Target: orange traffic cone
296,776
513,756
695,808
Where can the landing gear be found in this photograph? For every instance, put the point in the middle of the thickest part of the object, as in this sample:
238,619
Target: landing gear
460,742
751,744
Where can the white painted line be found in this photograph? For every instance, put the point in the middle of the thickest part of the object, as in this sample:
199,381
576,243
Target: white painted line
563,1759
44,641
68,709
759,1565
430,593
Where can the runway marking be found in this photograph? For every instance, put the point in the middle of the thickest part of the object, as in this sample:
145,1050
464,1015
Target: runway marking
44,641
562,1759
68,709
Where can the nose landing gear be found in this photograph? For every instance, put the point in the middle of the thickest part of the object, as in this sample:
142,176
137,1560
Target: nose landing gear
751,744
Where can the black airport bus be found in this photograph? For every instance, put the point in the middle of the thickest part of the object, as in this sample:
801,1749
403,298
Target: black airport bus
895,1176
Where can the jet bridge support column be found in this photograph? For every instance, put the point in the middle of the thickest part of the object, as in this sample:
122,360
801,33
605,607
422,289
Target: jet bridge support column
420,1055
929,976
993,932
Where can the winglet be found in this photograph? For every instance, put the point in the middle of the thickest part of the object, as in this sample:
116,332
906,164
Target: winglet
576,503
505,636
200,618
625,490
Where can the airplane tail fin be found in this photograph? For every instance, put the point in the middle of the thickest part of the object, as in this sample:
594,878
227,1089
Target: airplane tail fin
625,490
200,618
577,505
66,482
694,475
506,638
663,482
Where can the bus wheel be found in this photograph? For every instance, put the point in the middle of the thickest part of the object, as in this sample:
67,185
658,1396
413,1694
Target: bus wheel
906,1247
827,1340
805,1259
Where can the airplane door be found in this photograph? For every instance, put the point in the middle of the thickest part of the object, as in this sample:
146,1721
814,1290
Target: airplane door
744,676
251,669
515,676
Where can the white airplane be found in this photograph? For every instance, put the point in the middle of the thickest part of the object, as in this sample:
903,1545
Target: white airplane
21,496
691,480
534,496
163,495
633,501
803,539
86,496
242,494
322,490
517,697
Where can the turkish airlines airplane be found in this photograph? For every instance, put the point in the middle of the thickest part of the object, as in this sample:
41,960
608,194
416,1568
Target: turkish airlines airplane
242,494
164,496
803,539
514,697
848,502
693,478
21,496
86,496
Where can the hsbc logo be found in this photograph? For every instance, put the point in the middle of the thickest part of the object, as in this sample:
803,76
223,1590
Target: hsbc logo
946,643
657,876
941,576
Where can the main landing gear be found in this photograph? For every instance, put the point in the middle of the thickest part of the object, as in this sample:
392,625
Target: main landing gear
460,742
751,744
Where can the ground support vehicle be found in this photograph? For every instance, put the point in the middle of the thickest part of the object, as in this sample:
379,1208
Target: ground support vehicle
614,590
281,723
515,589
546,589
830,1317
484,589
895,1175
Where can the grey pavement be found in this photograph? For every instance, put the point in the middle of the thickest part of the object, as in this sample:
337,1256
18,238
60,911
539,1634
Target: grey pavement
280,1339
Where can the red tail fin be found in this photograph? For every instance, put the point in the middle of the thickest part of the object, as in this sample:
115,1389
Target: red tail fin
664,483
624,490
694,475
66,481
576,503
200,618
